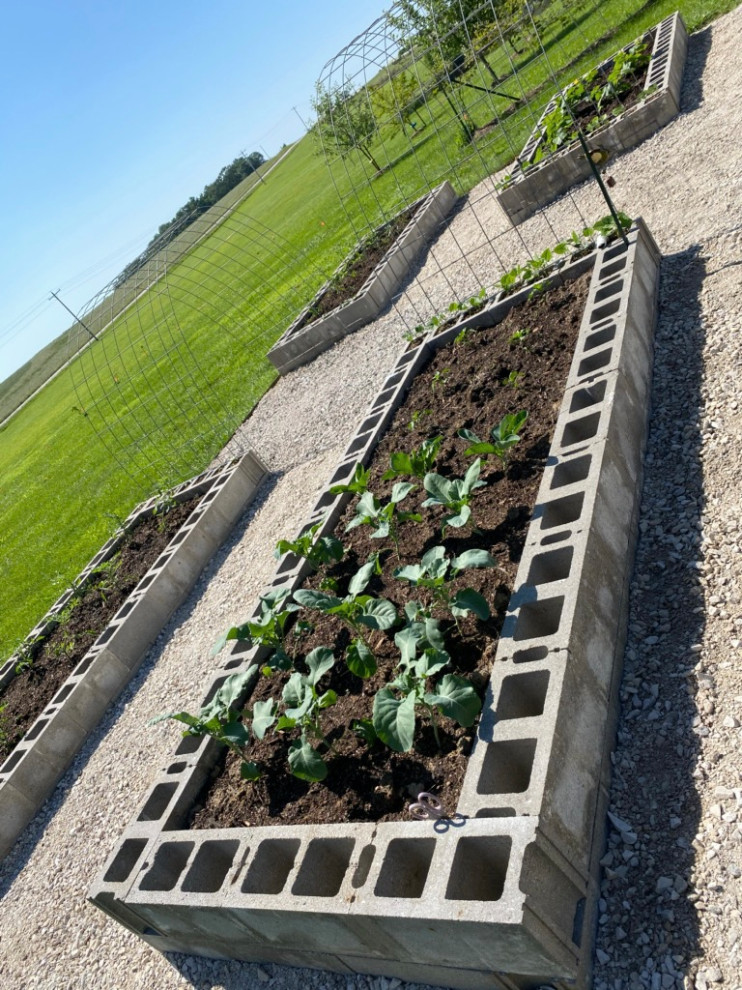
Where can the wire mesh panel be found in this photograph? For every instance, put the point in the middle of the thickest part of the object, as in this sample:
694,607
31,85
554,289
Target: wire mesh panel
172,352
452,90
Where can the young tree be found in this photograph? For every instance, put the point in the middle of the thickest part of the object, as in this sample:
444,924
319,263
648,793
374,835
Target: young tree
393,102
345,122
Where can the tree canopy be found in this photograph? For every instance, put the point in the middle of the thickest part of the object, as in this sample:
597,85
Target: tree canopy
345,122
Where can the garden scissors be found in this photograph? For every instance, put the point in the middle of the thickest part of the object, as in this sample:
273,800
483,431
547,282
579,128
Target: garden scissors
426,807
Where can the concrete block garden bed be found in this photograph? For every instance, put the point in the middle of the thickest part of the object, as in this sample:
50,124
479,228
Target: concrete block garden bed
500,893
539,176
308,337
38,761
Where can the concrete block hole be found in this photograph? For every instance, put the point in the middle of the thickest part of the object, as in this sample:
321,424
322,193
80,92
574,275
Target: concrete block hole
554,565
480,865
523,695
211,865
574,471
273,861
324,867
125,860
405,868
539,619
170,861
507,767
562,511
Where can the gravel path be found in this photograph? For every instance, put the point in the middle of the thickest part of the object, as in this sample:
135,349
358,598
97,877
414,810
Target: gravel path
670,909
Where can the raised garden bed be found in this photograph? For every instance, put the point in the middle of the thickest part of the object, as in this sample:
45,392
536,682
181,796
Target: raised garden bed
501,894
310,335
37,759
539,176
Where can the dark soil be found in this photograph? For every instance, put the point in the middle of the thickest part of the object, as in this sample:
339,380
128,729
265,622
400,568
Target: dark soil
461,387
55,658
360,267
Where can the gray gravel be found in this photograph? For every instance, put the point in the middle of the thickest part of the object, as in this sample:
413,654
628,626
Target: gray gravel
670,907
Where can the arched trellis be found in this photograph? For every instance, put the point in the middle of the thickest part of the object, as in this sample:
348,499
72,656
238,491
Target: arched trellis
449,90
170,354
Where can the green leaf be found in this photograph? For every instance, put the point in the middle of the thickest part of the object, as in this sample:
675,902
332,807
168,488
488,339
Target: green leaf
250,770
364,729
457,699
263,717
471,478
362,576
438,487
468,600
378,613
468,435
410,572
482,447
319,661
400,491
285,723
298,696
431,663
401,464
327,700
473,558
305,762
316,599
360,660
236,734
461,518
229,694
394,720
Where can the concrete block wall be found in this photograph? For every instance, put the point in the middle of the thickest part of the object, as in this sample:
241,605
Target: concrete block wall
503,894
556,172
304,341
30,773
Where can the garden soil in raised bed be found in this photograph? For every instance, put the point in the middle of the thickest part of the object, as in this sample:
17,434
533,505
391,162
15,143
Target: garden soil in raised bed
55,658
360,268
462,386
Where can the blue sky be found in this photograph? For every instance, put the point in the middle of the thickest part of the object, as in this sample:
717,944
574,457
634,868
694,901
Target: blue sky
115,113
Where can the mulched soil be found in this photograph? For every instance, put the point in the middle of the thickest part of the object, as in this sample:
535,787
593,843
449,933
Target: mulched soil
55,658
462,386
360,267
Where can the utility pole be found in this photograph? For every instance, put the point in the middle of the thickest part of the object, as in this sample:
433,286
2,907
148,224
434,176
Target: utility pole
55,295
303,122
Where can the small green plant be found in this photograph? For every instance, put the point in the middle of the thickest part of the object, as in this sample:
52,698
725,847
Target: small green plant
4,728
396,705
268,630
222,722
439,378
462,337
453,495
359,612
318,552
27,651
417,415
386,518
357,485
165,502
436,572
519,336
303,707
417,463
513,380
504,437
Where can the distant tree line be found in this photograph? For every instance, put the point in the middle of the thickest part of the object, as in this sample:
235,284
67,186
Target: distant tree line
230,176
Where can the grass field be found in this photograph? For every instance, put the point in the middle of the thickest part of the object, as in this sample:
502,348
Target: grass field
195,343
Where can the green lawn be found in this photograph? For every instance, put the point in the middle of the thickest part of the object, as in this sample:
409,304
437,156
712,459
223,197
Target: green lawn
195,344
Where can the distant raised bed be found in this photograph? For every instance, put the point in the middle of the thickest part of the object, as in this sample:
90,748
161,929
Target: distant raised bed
541,174
40,747
315,330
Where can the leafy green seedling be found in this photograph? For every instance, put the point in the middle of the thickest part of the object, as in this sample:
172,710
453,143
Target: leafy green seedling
385,518
504,437
318,552
417,415
219,720
519,336
359,612
268,630
357,485
417,463
433,574
303,705
439,377
453,495
396,705
513,379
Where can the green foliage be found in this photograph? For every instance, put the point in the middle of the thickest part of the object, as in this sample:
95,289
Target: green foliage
385,518
220,720
417,415
319,552
358,483
439,378
433,574
453,495
417,463
504,437
268,630
303,706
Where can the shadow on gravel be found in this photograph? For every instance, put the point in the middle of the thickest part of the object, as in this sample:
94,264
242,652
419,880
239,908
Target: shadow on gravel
648,928
699,46
24,848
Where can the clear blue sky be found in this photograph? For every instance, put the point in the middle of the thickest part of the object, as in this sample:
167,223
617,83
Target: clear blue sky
115,112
